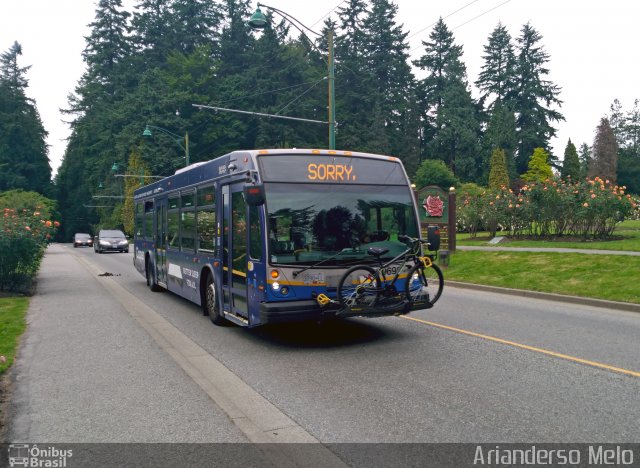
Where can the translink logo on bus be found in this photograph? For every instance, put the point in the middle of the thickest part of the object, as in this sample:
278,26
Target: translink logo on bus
330,172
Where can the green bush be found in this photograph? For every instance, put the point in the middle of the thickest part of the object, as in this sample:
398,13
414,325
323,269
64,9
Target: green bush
435,172
23,238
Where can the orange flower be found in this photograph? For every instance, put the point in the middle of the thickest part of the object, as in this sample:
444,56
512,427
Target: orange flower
585,204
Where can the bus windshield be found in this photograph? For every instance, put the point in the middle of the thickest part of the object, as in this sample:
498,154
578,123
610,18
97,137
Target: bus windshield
336,223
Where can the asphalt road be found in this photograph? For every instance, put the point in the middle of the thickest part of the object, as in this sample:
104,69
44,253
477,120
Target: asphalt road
478,367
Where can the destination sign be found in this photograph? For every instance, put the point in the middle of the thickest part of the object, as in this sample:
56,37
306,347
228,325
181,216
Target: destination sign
330,169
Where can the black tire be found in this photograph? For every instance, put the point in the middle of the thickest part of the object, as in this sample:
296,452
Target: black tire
151,278
210,303
359,286
422,281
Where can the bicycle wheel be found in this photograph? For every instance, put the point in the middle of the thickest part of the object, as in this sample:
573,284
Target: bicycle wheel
424,284
359,286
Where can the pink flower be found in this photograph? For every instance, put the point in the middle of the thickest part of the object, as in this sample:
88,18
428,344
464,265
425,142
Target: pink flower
585,204
593,195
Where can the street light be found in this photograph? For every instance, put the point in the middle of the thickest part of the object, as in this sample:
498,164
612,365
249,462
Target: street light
259,21
176,138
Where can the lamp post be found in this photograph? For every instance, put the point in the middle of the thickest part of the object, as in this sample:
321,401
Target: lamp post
259,21
176,138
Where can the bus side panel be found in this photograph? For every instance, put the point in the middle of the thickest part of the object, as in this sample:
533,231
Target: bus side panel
183,275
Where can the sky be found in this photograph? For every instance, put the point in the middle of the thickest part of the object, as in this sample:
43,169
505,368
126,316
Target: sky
594,50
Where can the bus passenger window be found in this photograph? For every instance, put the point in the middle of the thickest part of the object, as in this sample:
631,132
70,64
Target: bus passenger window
188,230
148,220
173,232
206,227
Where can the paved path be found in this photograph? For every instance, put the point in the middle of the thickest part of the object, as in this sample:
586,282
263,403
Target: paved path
550,249
87,372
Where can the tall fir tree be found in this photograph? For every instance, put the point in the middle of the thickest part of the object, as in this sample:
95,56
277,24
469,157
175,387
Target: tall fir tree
386,55
585,159
451,127
533,97
604,159
24,162
571,163
497,78
352,78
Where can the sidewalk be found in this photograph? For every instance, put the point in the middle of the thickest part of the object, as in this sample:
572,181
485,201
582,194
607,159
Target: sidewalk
550,249
88,372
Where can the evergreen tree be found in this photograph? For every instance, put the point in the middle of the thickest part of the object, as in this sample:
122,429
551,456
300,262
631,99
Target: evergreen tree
385,52
498,175
497,78
197,23
629,154
571,163
539,168
604,161
352,77
533,97
500,133
451,127
585,159
24,163
154,31
107,46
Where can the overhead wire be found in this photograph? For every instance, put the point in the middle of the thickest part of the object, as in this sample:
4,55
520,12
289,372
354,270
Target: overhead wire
460,25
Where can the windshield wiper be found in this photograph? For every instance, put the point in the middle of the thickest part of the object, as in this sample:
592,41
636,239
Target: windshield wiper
333,257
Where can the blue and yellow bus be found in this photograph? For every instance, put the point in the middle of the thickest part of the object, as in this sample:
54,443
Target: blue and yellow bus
254,237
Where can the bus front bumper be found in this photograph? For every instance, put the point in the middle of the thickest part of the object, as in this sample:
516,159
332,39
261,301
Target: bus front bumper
294,311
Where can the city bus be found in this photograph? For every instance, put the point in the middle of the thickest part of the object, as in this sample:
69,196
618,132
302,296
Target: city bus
256,237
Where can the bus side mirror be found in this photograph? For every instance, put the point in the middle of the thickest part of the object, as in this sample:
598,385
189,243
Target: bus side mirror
254,194
433,237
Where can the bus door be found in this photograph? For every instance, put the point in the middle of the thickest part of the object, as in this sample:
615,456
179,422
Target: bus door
161,242
235,255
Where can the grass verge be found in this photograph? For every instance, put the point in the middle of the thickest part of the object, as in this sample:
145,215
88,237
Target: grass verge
626,237
12,325
611,277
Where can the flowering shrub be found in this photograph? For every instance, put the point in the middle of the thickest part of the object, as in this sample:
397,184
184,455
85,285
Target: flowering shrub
23,238
588,208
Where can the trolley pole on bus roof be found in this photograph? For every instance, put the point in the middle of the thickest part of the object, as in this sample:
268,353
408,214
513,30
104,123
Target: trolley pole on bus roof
259,21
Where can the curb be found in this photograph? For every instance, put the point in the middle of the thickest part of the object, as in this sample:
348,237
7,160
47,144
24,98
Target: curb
626,306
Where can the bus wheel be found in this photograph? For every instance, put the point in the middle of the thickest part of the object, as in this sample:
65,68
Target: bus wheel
210,305
151,278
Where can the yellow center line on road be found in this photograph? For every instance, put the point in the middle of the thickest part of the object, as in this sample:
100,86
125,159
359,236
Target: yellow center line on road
528,348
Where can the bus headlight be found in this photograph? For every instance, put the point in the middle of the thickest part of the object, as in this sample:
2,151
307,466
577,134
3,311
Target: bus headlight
275,286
